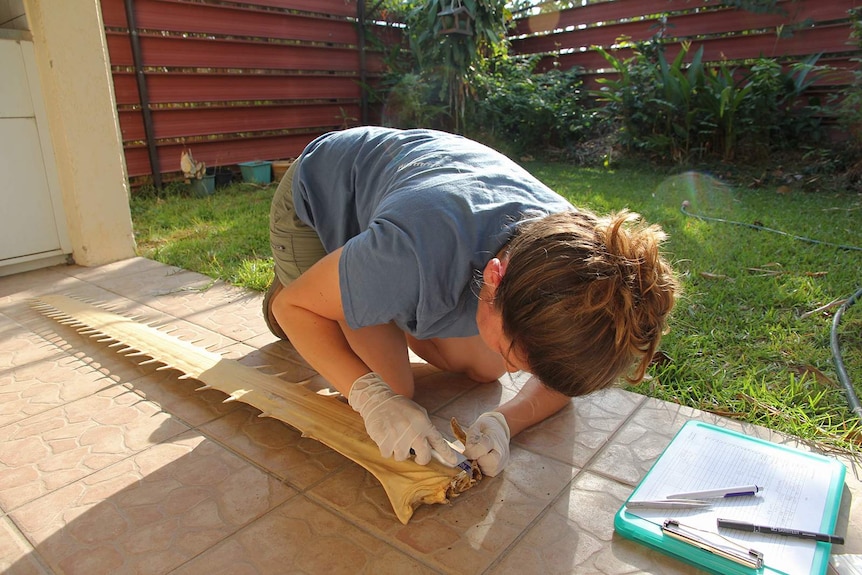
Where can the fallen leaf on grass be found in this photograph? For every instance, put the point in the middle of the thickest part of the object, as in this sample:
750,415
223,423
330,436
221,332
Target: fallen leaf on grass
766,272
771,409
712,276
854,436
823,308
771,272
660,358
810,370
728,414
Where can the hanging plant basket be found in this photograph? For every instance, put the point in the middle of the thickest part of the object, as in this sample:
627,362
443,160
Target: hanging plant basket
455,19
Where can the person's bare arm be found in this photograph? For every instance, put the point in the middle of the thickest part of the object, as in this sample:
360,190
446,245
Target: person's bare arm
369,366
534,403
310,312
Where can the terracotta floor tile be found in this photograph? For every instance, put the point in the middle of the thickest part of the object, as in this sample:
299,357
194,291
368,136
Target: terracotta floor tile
52,382
16,554
435,389
302,537
21,347
47,451
466,536
99,472
577,432
214,305
157,287
577,536
262,340
642,439
180,397
481,398
55,367
19,287
114,270
228,310
151,512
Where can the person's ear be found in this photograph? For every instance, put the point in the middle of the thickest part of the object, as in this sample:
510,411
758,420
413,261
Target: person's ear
493,272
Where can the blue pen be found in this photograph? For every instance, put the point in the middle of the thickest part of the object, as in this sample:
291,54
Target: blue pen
737,491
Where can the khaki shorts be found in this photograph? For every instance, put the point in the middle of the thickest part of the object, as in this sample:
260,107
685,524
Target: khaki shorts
295,246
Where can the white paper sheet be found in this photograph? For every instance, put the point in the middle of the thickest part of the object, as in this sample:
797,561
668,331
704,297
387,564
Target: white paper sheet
795,490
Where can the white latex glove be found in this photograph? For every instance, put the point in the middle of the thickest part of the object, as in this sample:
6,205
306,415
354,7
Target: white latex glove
395,423
488,442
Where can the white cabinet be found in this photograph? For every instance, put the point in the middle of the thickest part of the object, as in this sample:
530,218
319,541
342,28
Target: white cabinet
32,224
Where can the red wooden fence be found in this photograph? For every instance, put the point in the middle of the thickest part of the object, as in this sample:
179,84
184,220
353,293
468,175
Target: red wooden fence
258,79
568,38
234,82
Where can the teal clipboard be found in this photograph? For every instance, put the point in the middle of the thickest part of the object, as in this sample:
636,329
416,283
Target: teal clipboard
650,533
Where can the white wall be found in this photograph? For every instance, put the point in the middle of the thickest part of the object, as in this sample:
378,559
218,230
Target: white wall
72,58
12,15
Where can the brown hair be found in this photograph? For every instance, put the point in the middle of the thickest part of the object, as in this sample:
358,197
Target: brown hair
584,297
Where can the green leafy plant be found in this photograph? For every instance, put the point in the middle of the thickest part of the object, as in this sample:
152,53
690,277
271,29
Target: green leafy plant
628,98
850,107
413,101
691,110
721,100
651,99
776,115
450,57
524,111
678,103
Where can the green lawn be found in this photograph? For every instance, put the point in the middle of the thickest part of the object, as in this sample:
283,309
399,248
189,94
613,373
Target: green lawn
742,343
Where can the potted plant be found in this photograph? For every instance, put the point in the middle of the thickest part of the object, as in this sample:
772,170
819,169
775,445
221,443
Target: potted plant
195,173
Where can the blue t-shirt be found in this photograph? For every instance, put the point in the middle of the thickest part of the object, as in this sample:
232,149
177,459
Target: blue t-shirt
419,214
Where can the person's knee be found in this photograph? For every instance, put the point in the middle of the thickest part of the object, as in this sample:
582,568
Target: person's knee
485,374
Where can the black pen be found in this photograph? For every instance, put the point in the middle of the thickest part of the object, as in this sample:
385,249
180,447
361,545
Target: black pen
751,528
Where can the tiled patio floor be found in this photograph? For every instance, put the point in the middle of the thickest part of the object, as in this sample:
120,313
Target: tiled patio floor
111,467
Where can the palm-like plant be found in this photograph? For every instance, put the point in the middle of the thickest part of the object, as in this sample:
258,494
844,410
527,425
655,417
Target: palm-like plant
450,57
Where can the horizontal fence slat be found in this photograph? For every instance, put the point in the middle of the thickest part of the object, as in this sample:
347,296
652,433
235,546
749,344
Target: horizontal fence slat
598,12
237,80
590,60
298,62
230,20
842,74
802,13
794,11
682,27
823,39
334,7
604,36
195,88
194,122
802,43
216,53
224,152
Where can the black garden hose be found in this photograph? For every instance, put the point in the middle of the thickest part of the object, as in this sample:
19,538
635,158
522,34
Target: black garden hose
852,399
686,204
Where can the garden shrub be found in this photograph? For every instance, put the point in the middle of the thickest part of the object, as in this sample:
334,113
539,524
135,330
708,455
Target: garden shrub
848,111
689,111
524,111
413,101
